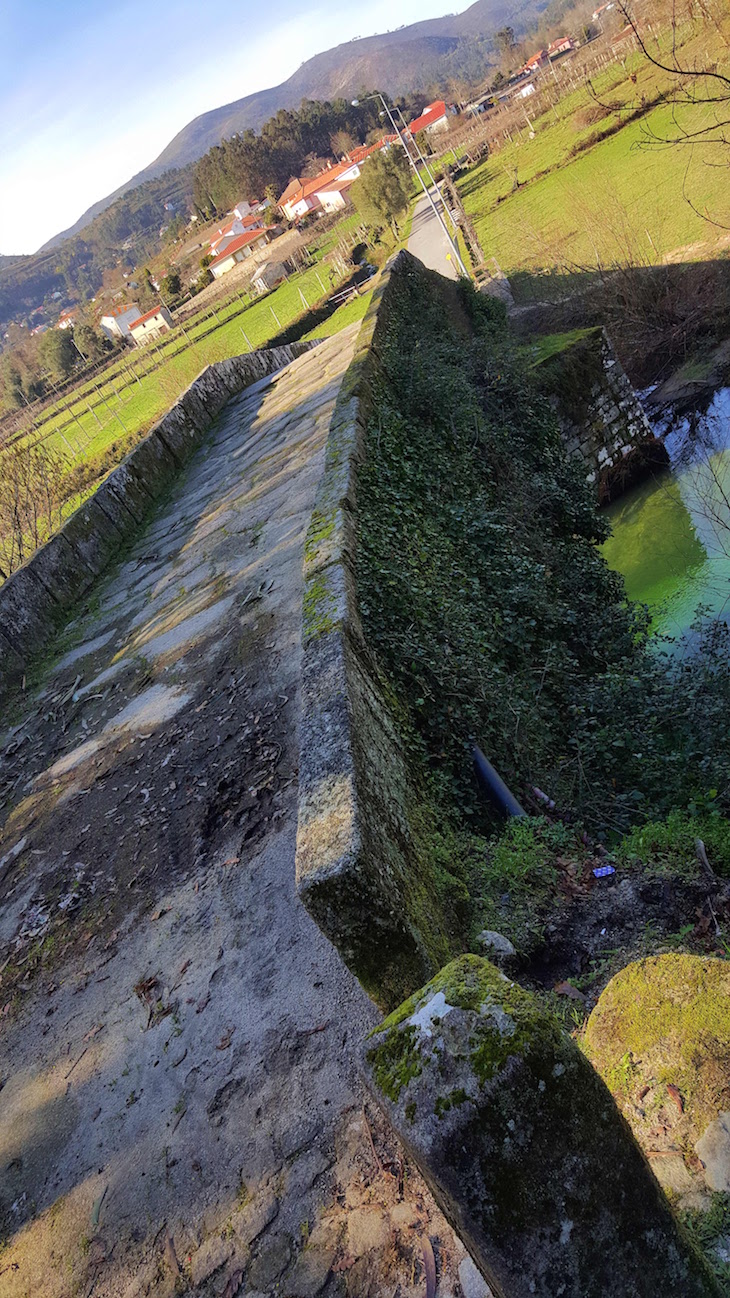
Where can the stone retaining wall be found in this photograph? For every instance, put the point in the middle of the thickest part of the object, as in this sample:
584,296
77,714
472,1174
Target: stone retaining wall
47,588
601,417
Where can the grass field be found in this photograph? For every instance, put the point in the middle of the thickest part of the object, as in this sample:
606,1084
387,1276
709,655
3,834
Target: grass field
74,430
583,204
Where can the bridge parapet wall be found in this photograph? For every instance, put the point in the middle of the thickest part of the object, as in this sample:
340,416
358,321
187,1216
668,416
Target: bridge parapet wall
40,595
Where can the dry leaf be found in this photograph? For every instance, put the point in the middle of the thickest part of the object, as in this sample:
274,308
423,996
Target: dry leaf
567,989
673,1093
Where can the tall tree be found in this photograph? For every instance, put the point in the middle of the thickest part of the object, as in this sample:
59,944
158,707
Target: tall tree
383,191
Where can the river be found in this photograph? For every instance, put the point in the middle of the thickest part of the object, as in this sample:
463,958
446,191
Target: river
671,534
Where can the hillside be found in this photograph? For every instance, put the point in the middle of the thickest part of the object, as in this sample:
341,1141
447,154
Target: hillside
407,59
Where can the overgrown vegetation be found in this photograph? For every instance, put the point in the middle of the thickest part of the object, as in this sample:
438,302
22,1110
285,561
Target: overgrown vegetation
495,618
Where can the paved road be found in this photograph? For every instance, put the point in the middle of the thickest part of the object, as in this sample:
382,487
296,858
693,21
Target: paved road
428,242
179,1105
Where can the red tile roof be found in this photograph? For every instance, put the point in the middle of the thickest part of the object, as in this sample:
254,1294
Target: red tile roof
240,241
429,115
292,188
363,151
122,308
156,310
298,190
331,186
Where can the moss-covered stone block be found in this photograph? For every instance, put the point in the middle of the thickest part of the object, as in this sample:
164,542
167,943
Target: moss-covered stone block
660,1038
523,1147
128,485
179,432
62,571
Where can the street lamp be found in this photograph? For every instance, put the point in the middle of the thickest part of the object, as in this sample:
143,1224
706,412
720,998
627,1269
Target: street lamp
424,187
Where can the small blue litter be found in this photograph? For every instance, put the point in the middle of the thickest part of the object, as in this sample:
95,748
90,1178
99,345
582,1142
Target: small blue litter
602,871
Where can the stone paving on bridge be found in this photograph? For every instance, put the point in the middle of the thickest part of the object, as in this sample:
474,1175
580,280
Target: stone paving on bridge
178,1105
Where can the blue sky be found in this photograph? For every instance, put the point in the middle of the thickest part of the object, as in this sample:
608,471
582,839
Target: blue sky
91,92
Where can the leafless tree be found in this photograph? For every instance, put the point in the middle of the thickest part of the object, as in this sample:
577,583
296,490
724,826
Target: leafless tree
30,502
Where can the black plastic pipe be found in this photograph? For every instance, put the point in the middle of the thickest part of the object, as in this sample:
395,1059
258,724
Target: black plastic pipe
494,786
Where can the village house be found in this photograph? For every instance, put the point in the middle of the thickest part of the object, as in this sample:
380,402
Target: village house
434,118
116,323
151,324
327,192
563,45
238,249
532,64
239,225
67,319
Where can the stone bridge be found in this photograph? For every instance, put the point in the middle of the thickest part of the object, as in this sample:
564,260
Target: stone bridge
180,1110
179,1104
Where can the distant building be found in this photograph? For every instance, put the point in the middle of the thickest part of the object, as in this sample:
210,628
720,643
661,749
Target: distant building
242,209
151,324
433,119
299,197
602,9
532,64
116,323
327,192
67,319
524,92
242,247
563,45
238,226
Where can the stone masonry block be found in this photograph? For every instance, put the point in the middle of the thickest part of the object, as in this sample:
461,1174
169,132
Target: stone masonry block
180,434
523,1147
154,464
12,665
27,611
96,530
126,484
62,570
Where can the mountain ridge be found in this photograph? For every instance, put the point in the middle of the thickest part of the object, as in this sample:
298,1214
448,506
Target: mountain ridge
390,60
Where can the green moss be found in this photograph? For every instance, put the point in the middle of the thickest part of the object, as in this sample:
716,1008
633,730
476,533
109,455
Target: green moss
318,606
544,346
452,1101
321,528
395,1062
511,1022
662,1020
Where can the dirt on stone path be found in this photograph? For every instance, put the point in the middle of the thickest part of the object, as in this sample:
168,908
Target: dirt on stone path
179,1110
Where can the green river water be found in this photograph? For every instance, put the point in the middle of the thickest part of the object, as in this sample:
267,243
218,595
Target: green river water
671,534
